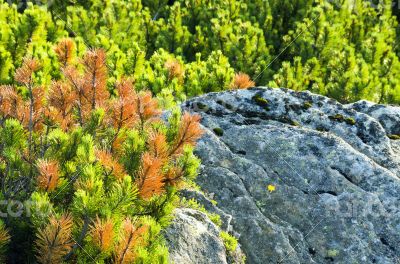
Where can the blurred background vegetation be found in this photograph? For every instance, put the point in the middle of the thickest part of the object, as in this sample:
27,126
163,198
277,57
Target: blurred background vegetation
346,49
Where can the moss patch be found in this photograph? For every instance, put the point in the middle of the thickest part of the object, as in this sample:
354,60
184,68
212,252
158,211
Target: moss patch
201,105
289,121
294,123
225,104
194,204
307,105
321,129
340,118
332,253
394,137
218,131
337,117
260,101
350,121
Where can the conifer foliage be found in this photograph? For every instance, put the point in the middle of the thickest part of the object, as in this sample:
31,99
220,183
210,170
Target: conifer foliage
345,49
94,163
84,150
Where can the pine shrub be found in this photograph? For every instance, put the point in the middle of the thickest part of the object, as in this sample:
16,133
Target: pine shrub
94,165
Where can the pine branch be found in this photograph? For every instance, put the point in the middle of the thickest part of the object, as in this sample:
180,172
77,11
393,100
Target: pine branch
48,175
131,238
54,241
64,51
150,179
189,132
241,81
102,233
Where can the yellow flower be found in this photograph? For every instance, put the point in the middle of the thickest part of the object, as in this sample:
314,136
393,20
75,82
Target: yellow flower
271,188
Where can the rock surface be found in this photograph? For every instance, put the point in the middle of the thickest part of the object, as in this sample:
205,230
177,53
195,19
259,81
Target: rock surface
193,238
335,171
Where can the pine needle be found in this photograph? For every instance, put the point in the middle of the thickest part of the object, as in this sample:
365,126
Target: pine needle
102,232
48,175
242,81
132,237
54,241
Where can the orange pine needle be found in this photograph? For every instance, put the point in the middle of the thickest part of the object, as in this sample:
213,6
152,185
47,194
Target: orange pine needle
123,109
64,51
38,94
102,233
150,180
131,238
54,241
189,132
242,81
110,164
175,70
61,100
158,146
23,75
147,107
48,175
9,101
95,79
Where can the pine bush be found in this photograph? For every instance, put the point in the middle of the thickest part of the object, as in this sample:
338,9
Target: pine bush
95,166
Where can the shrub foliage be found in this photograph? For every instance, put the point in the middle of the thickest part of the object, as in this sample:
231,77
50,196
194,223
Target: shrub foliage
89,168
344,49
94,165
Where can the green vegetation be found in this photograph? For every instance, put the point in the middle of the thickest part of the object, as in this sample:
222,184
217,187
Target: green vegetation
86,160
218,131
94,169
341,118
394,137
230,241
192,203
344,49
307,105
260,101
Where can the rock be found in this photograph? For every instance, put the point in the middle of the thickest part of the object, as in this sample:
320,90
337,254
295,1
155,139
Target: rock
193,238
388,116
335,171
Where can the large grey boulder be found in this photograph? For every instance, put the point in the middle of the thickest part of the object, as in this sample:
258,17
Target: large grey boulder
336,174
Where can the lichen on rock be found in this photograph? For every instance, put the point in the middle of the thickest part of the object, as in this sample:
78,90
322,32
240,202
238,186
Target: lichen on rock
337,183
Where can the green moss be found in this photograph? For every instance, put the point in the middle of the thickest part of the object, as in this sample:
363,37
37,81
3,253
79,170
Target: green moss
215,218
337,117
260,101
332,253
294,123
341,118
307,105
201,105
225,104
218,131
350,121
289,121
321,129
394,137
230,242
